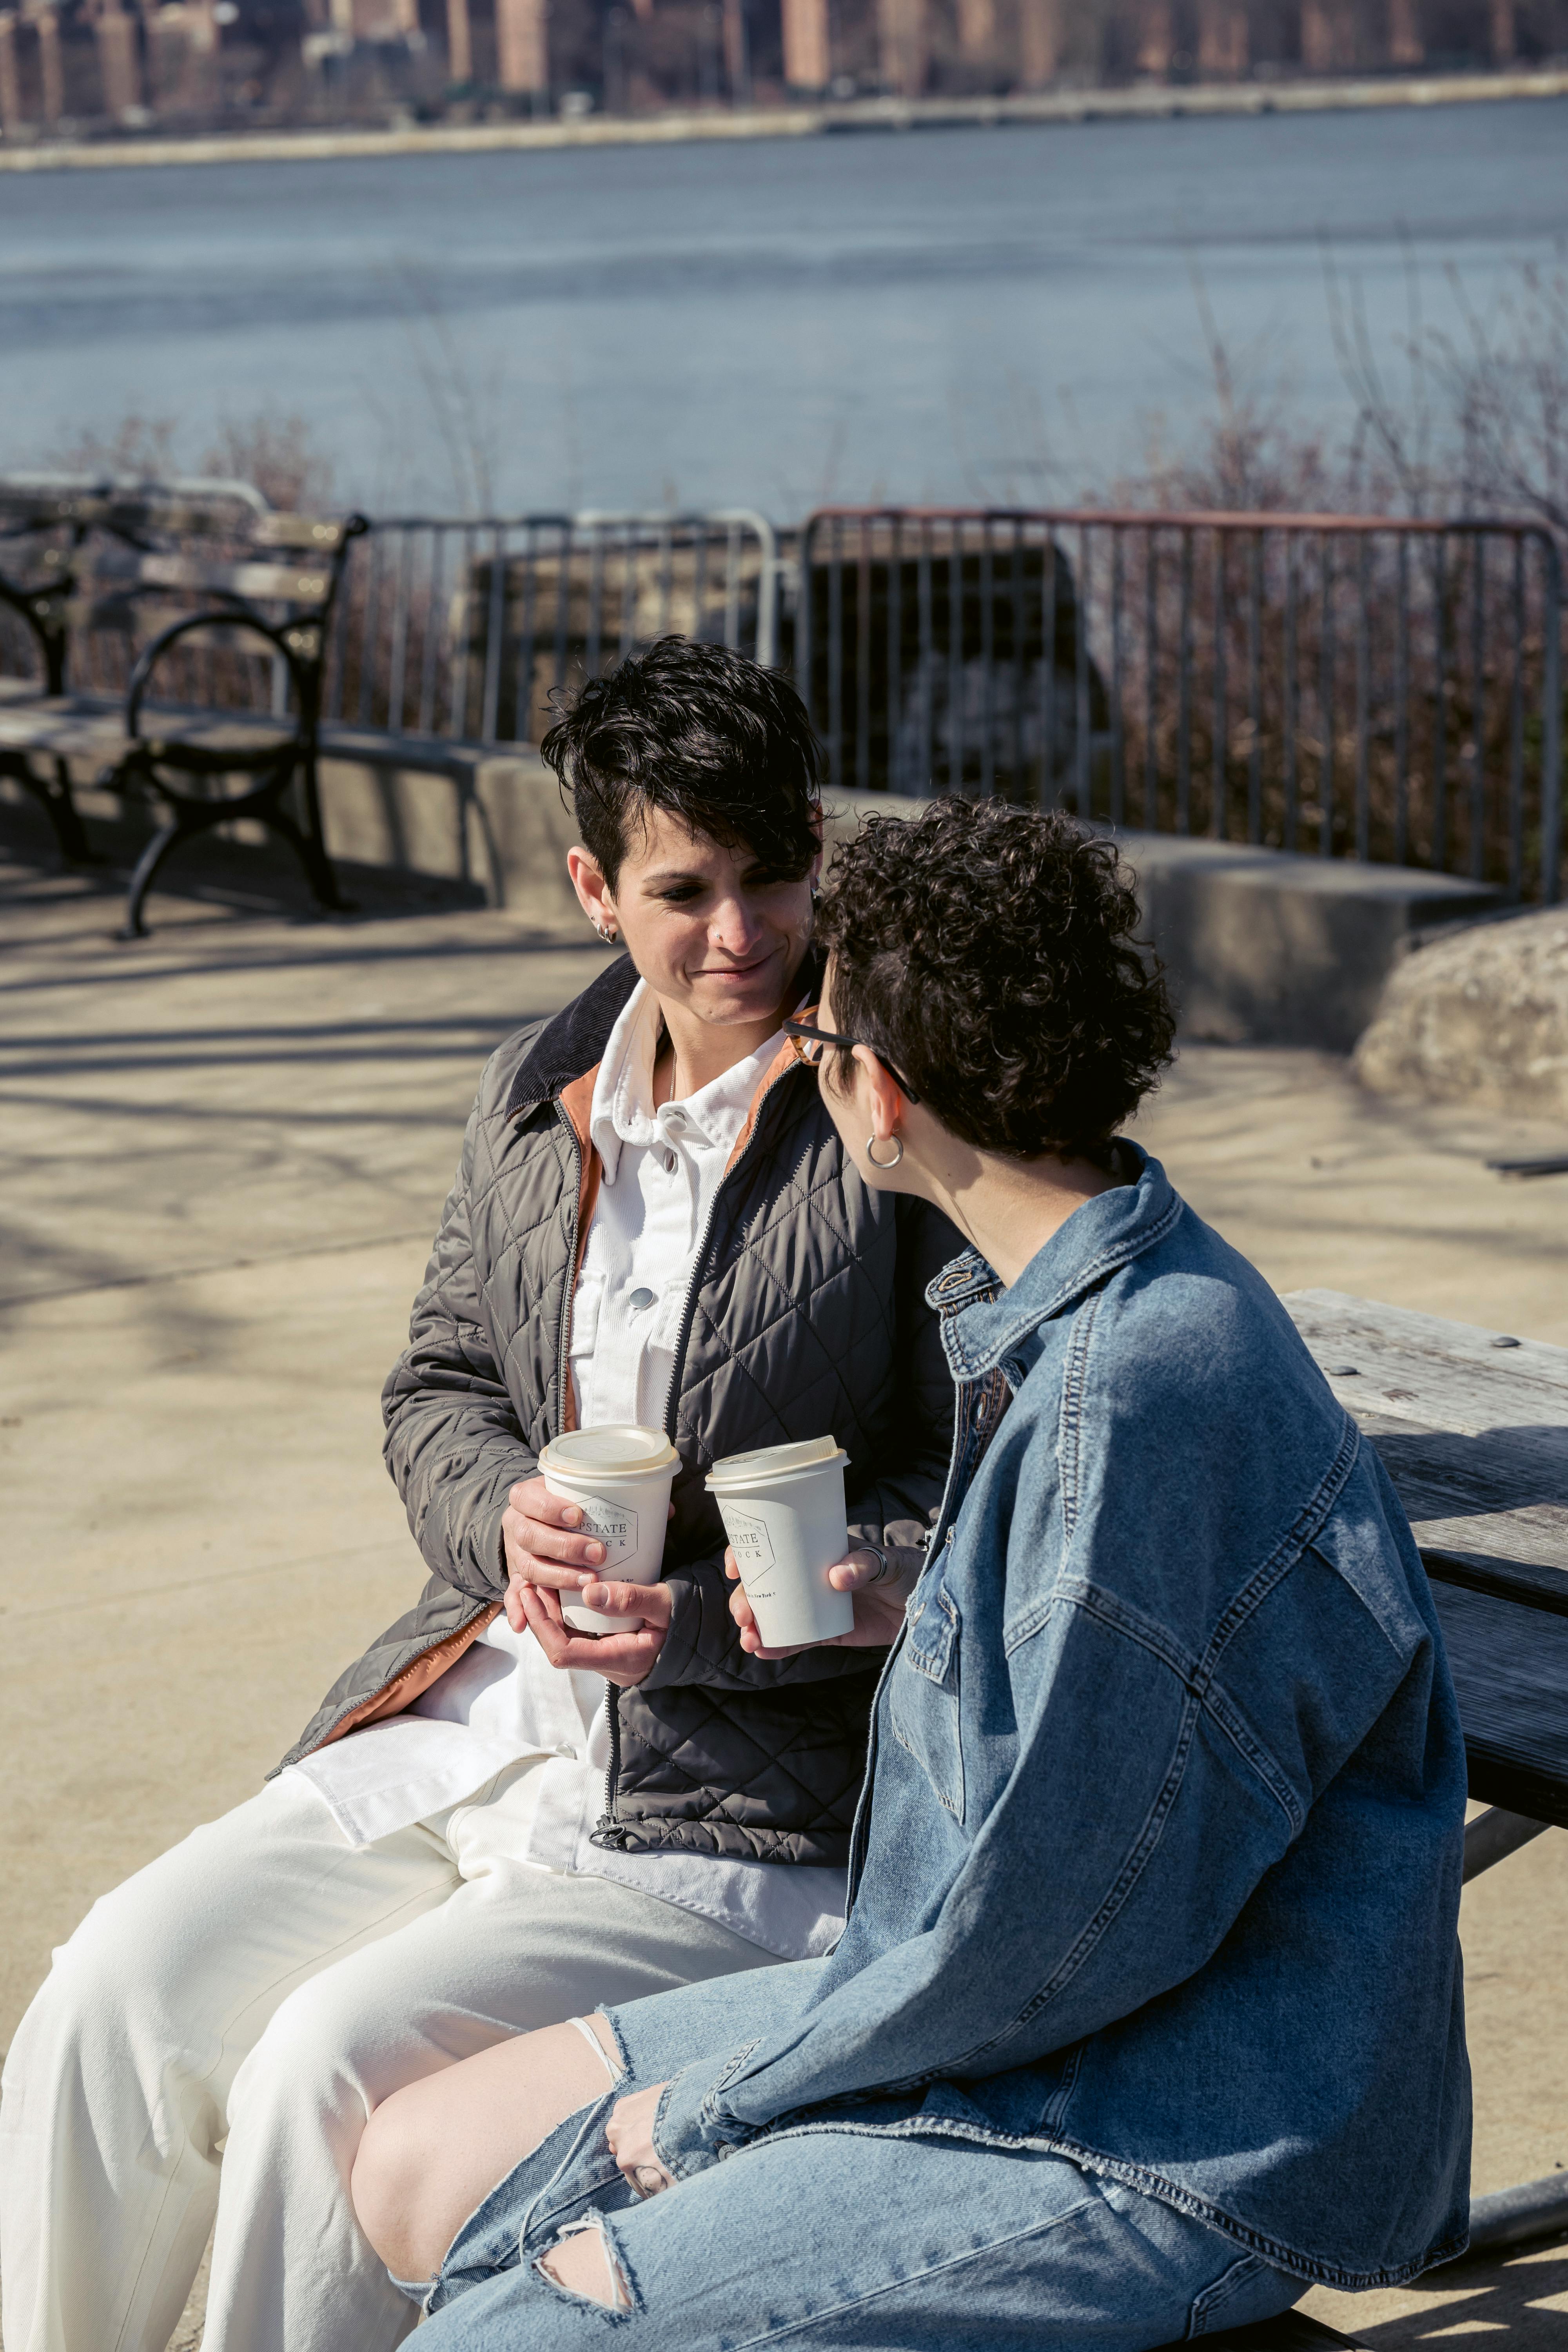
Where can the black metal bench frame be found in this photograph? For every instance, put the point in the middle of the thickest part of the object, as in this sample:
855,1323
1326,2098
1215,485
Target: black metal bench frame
111,547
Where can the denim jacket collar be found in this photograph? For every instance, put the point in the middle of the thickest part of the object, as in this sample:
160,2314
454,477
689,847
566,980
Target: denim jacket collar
981,1323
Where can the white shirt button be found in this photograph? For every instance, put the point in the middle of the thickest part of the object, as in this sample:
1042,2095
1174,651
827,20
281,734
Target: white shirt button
641,1301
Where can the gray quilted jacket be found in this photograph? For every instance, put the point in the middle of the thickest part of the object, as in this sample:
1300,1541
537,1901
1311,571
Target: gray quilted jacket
807,1316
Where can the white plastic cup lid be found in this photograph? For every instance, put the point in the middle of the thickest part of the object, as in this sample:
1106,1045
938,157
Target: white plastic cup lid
774,1462
618,1449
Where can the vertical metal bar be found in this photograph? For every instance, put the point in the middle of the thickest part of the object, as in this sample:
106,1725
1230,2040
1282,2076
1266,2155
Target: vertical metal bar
593,648
1326,695
1440,703
332,683
1218,814
495,637
522,687
1255,692
458,707
732,588
430,651
893,689
805,629
666,572
1516,731
1150,681
1478,752
863,568
1084,781
927,659
836,655
1185,690
767,592
1292,700
700,582
954,656
1048,678
1019,609
566,551
1402,707
1550,719
1363,699
630,551
1118,731
987,655
367,635
397,663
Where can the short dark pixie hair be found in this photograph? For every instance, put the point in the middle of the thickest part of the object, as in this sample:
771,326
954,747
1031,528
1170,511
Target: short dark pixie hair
988,952
714,739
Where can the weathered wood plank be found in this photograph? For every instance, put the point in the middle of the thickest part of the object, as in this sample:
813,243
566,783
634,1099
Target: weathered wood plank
1510,1664
1419,1368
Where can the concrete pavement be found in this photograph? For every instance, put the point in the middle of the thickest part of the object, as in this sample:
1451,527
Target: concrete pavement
222,1153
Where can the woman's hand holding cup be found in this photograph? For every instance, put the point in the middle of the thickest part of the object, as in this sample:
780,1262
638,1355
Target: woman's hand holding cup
880,1596
543,1546
621,1658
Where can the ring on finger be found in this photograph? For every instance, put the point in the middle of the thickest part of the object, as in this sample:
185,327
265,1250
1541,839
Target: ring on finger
648,2179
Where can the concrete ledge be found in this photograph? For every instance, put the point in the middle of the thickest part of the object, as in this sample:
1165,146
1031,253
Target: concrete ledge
1263,947
1267,948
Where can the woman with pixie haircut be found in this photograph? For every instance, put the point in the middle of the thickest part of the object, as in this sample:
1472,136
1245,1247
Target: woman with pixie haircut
493,1821
1148,2009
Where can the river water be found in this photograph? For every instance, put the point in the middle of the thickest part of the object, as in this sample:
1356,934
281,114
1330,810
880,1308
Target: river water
958,315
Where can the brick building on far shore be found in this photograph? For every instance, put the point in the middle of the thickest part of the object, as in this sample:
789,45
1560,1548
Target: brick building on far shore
189,64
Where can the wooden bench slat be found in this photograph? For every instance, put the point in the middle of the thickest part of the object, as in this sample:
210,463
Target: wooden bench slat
278,583
1509,1665
1419,1368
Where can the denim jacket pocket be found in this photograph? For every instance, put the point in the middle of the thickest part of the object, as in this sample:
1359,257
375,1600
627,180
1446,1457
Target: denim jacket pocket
923,1693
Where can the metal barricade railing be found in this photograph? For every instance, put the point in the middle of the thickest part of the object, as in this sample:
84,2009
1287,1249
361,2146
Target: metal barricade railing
467,630
1357,686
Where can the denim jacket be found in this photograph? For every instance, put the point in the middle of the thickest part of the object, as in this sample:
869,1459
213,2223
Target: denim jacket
1158,1862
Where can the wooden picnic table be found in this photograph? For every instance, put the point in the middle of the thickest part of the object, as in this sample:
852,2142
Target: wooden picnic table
1473,1427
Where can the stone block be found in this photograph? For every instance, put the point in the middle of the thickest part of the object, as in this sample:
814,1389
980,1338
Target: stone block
1265,948
1479,1017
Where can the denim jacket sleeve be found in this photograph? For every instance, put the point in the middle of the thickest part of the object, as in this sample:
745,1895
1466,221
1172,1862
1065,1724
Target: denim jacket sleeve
1147,1787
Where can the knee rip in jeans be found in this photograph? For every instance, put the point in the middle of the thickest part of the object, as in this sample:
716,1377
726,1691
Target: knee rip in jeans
583,2264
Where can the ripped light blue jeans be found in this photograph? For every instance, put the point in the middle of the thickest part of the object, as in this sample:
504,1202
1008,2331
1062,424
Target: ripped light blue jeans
858,2227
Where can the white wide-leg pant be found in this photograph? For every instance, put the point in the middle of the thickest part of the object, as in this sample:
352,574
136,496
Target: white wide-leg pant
256,1992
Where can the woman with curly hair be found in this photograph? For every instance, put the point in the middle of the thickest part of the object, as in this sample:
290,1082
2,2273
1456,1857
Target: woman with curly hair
1148,2010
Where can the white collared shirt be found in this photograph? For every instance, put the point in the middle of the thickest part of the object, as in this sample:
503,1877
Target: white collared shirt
502,1701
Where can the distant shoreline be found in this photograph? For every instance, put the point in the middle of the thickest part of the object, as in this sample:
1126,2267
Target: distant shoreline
1145,103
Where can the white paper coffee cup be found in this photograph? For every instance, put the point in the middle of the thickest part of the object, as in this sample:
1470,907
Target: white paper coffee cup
782,1509
619,1476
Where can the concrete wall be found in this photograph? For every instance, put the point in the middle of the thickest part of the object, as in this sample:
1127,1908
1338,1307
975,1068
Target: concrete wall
1262,947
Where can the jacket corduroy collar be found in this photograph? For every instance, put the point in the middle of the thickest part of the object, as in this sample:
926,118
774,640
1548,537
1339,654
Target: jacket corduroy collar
981,1323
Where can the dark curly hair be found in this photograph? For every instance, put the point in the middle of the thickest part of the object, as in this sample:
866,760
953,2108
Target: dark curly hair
988,952
717,740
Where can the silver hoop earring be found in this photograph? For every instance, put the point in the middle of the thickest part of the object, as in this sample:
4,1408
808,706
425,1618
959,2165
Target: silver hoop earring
898,1153
607,932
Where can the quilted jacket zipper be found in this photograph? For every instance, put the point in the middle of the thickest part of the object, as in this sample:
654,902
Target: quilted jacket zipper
608,1832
